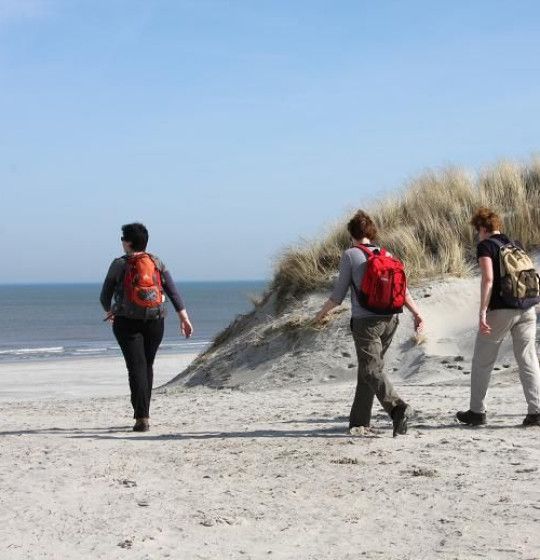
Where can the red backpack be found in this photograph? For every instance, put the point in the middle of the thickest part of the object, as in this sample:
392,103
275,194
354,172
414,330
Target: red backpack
143,292
384,284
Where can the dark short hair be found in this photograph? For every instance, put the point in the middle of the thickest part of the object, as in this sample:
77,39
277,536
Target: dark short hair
486,218
361,225
136,234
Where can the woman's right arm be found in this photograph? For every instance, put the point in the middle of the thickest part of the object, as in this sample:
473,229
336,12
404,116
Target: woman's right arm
107,290
341,287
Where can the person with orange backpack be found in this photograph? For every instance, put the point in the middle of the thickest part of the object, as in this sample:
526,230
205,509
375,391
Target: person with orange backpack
378,294
138,282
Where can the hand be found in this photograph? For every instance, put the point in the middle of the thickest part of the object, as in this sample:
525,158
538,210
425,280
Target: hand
483,325
319,318
109,316
329,304
186,328
418,323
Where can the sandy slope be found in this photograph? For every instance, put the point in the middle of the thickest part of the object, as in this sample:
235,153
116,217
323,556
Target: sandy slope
269,474
270,349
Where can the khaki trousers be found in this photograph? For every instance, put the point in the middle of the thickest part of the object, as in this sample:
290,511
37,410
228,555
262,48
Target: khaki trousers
372,337
522,327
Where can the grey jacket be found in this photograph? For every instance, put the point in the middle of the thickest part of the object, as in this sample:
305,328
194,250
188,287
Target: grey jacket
112,286
351,271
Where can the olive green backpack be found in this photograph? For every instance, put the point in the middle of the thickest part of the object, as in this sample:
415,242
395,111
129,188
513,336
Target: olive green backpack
520,284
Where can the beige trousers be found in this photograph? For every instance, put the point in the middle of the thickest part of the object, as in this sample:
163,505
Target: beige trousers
522,326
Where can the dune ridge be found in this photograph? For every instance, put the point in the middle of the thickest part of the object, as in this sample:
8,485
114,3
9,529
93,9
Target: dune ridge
427,225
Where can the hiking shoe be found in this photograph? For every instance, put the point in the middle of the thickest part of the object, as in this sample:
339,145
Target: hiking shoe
471,418
360,431
141,425
400,414
532,420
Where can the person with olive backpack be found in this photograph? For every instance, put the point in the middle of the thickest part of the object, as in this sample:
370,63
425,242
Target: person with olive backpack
510,289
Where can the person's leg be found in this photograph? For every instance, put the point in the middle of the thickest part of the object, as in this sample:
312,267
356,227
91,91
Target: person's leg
388,335
368,337
486,350
153,335
401,412
129,336
524,339
362,404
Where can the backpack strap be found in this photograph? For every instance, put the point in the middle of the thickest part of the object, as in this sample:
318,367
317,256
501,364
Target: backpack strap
364,249
157,262
498,242
370,252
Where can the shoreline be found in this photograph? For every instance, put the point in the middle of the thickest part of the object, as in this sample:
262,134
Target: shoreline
79,378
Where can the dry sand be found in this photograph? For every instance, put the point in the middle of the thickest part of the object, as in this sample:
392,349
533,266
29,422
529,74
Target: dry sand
268,470
272,348
77,378
269,474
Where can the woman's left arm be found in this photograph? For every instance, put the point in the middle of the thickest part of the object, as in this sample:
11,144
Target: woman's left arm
173,294
410,304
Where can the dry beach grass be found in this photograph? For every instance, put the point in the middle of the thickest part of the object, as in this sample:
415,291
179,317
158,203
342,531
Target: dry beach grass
427,226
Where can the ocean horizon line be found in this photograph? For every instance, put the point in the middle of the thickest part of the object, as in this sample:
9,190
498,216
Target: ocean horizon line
98,282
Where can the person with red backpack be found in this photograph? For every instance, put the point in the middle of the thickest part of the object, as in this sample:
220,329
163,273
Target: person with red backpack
510,290
378,294
138,282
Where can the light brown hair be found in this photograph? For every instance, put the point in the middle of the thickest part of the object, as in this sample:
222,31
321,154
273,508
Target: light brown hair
486,218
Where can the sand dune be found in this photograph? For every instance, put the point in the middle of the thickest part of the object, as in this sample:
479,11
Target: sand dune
269,348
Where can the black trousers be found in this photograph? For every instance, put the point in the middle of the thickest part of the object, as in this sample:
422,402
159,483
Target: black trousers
139,341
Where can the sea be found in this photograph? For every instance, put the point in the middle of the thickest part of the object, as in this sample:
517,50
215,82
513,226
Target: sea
63,321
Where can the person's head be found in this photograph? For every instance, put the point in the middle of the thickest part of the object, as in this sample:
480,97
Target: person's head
361,226
486,223
134,237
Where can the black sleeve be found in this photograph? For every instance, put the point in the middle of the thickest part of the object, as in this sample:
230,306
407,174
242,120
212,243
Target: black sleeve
109,285
170,289
484,249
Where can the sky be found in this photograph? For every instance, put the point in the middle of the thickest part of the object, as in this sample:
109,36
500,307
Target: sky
234,128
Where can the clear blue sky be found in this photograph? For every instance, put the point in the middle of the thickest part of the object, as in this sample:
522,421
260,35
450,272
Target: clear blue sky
233,128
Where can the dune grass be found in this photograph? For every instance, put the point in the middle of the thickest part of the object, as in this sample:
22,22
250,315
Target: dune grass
427,226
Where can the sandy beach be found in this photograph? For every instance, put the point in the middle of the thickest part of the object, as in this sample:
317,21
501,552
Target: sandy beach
267,469
78,378
269,474
290,206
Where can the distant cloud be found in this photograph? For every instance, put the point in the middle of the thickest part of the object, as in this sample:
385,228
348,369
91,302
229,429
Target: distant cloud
12,10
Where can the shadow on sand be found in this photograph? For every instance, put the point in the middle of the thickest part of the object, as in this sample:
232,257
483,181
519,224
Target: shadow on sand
338,431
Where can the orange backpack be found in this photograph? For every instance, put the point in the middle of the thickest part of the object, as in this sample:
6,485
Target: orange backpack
143,292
